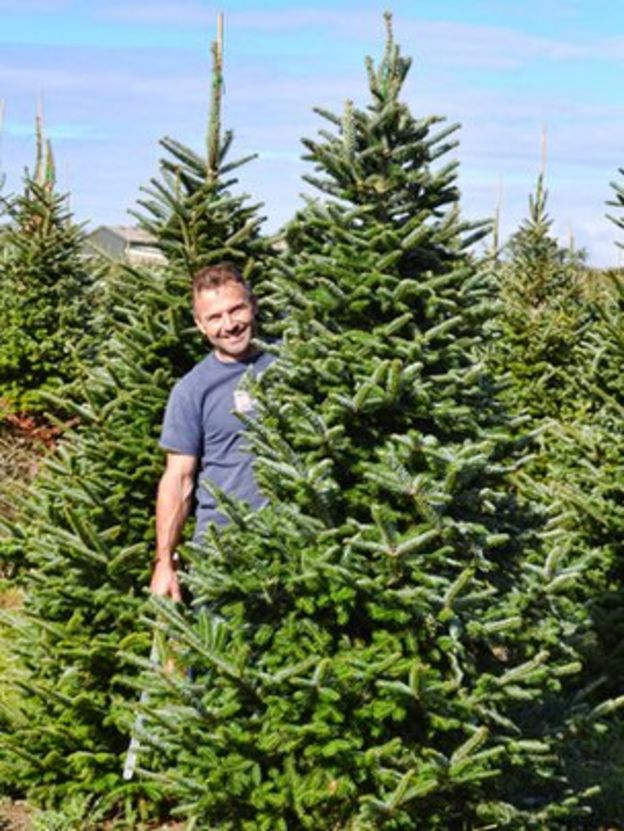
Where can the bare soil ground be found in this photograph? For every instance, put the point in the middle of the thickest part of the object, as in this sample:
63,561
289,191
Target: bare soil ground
21,451
17,816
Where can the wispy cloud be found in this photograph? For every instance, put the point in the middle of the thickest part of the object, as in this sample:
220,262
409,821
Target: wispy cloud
611,48
56,132
330,20
25,6
180,13
455,43
93,81
490,47
132,71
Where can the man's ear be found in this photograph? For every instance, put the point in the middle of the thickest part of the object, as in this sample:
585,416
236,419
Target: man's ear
197,323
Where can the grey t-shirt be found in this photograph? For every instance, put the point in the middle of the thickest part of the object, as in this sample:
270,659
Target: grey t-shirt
200,420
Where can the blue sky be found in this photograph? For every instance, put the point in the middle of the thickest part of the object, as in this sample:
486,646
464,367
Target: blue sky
116,76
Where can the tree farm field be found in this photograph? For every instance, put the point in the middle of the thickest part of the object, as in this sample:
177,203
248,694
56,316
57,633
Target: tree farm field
419,626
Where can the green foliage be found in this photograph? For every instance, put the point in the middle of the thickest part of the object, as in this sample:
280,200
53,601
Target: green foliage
10,671
77,815
581,472
600,758
387,643
46,297
194,224
544,313
185,208
562,344
563,350
598,476
397,640
85,532
83,539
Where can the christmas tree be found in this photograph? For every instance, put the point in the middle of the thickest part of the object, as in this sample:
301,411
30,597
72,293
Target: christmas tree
182,208
588,459
46,291
385,644
544,314
560,344
85,533
563,352
602,480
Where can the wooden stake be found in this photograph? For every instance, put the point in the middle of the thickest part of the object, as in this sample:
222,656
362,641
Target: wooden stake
39,162
220,40
214,125
132,754
497,219
544,149
2,112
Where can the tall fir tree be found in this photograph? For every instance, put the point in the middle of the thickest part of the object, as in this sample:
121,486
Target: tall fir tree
576,471
599,476
544,313
85,532
383,645
560,346
182,208
601,481
46,291
586,474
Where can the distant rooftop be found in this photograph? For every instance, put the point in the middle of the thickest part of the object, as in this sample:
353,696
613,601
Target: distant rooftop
129,233
125,242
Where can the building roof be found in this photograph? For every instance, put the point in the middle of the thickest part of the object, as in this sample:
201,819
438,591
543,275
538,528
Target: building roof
128,233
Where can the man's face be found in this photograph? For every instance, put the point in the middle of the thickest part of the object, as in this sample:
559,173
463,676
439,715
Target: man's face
226,315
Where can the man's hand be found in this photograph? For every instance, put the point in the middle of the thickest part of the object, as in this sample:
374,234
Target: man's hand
165,581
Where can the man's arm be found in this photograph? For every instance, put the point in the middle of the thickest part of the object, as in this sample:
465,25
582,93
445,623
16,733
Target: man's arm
173,505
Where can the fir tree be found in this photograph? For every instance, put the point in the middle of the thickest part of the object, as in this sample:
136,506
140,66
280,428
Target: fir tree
46,286
577,473
561,347
584,474
543,316
382,645
597,473
182,208
85,532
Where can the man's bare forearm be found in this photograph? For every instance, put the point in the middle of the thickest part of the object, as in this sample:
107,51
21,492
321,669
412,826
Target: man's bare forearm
173,506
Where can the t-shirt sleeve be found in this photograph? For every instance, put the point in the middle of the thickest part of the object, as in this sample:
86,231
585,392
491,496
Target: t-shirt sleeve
182,425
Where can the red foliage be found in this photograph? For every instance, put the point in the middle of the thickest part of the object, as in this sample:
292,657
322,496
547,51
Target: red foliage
34,428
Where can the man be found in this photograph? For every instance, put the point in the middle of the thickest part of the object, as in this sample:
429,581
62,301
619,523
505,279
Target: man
201,432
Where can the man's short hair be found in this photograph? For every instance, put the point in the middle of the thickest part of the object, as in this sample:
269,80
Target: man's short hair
215,276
